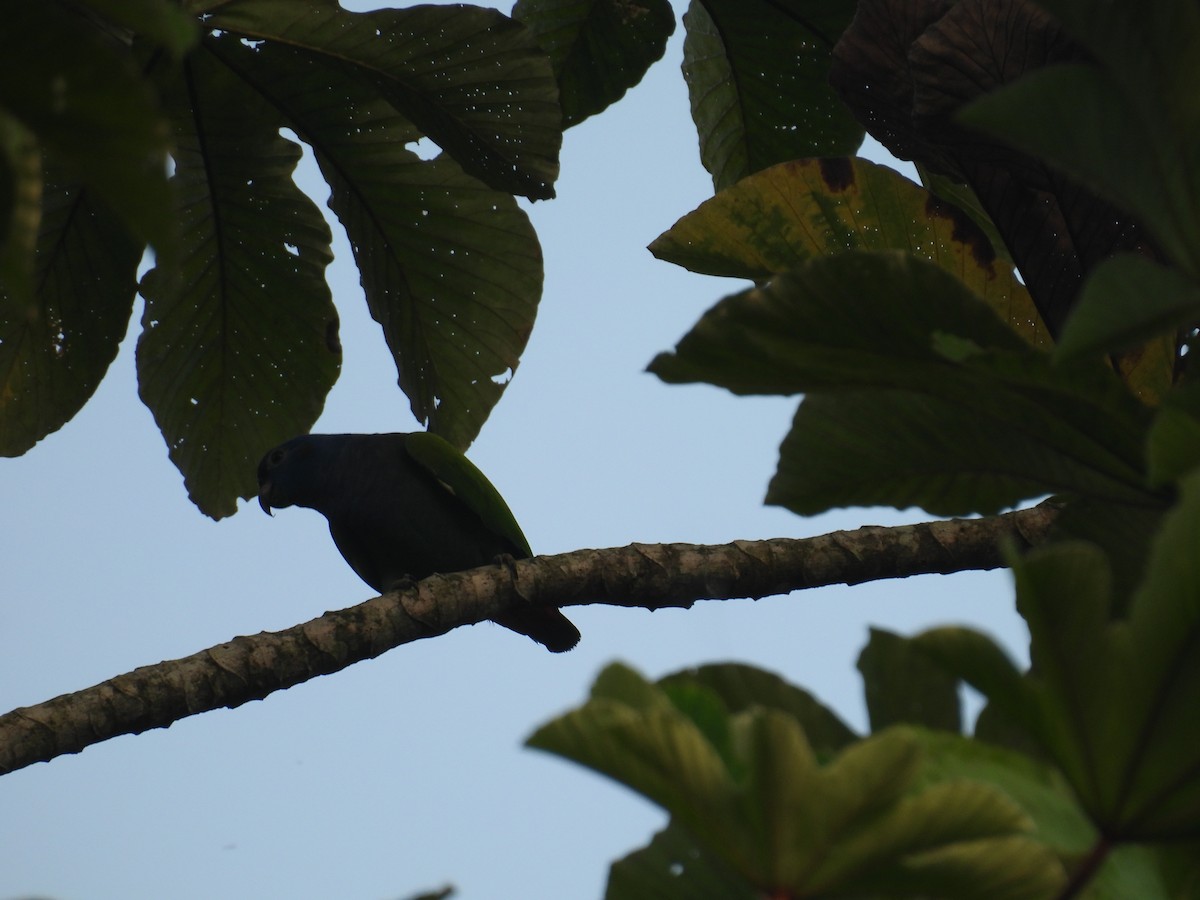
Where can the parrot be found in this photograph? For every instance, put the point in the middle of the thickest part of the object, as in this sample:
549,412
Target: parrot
403,506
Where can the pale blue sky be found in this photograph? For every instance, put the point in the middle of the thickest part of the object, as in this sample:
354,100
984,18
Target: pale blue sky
407,772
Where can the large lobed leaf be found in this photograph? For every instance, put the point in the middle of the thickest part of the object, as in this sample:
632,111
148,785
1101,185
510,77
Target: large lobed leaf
757,75
451,268
902,686
1111,700
56,346
240,351
471,79
749,801
917,393
82,96
908,70
1124,125
20,211
599,48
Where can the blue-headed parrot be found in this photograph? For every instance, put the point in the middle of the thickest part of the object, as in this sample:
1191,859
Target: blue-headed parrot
404,506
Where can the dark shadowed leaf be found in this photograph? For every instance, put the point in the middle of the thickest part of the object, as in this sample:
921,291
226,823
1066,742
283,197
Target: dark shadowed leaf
1123,126
471,79
674,865
1148,872
160,22
903,448
599,48
20,211
983,664
1112,700
1123,531
909,69
1174,439
56,347
776,219
241,351
83,97
452,269
757,75
1125,301
972,420
903,686
837,321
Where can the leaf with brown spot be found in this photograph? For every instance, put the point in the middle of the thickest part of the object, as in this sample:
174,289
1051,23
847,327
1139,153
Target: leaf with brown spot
776,219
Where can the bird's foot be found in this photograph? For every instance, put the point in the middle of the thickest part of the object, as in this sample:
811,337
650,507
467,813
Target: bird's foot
508,561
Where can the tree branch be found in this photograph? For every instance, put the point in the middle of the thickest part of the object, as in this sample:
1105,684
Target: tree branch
653,576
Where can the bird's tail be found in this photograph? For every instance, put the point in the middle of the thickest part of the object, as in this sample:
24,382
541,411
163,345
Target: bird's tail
546,625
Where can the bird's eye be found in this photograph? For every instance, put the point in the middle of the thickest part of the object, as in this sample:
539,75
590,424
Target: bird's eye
276,457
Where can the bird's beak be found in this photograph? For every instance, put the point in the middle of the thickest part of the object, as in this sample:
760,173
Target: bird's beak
263,491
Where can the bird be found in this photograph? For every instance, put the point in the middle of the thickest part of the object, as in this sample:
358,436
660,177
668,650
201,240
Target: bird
404,506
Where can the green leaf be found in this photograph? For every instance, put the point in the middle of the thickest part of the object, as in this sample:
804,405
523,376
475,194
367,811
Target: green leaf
1138,99
1174,439
1112,701
776,219
787,825
471,79
859,318
997,868
20,211
673,864
599,48
56,347
1126,300
940,364
903,686
1037,787
981,663
757,75
904,448
91,110
158,21
742,687
656,750
452,270
240,353
1123,532
1107,133
1162,798
1148,872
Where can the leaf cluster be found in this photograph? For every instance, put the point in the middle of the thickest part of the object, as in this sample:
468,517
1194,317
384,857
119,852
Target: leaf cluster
1021,324
151,126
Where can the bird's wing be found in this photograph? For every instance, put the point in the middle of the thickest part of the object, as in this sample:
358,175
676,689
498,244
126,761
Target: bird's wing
459,475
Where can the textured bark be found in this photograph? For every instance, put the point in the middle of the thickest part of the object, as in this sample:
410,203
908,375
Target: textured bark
653,576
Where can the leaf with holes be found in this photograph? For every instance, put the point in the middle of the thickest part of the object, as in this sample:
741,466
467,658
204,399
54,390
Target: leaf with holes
757,74
452,269
56,347
599,48
240,352
472,80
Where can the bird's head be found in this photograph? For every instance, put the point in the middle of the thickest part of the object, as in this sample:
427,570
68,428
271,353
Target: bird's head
286,473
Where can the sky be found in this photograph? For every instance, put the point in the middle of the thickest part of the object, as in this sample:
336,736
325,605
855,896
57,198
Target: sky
407,773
